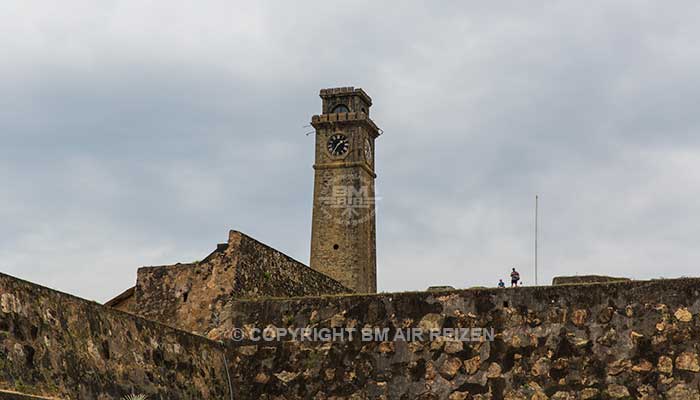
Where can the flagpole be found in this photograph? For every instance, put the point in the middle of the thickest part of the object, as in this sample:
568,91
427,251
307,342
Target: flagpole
536,221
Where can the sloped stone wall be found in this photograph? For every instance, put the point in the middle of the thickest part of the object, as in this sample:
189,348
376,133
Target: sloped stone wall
192,296
598,341
61,346
582,279
8,395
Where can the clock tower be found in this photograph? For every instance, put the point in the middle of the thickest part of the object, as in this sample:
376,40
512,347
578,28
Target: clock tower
343,229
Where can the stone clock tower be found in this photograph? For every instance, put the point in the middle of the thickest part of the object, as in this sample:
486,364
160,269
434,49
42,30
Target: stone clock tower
343,231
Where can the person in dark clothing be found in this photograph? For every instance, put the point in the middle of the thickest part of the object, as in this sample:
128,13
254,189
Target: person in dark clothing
501,284
514,278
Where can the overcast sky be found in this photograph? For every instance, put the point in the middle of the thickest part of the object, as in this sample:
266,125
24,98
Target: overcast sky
139,132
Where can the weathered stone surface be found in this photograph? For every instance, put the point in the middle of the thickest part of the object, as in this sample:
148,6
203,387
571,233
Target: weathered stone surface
688,361
450,367
617,391
286,376
12,395
579,317
192,296
60,346
457,395
431,322
541,367
665,365
619,366
563,395
472,365
386,347
515,395
643,366
569,280
338,320
683,315
609,338
591,343
494,371
560,364
647,392
539,395
624,356
589,393
248,350
682,392
453,346
262,378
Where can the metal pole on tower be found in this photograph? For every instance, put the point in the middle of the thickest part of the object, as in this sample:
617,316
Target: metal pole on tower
536,221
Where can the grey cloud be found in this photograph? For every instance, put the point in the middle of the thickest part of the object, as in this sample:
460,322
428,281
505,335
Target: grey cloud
136,135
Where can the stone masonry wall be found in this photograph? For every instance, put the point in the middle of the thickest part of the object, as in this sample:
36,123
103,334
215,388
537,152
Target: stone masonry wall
60,346
10,395
579,279
598,341
192,296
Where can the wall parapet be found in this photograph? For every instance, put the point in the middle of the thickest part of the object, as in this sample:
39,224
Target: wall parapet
11,395
57,345
606,340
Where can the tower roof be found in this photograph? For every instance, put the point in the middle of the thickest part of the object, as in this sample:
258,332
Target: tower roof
345,91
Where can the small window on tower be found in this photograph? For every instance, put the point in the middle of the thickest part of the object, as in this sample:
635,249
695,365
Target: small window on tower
340,108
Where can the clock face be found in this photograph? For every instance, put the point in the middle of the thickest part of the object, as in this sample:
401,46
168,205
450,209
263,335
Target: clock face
340,108
368,150
338,144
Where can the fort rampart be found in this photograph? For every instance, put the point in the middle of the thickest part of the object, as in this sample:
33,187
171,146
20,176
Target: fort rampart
621,340
60,346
